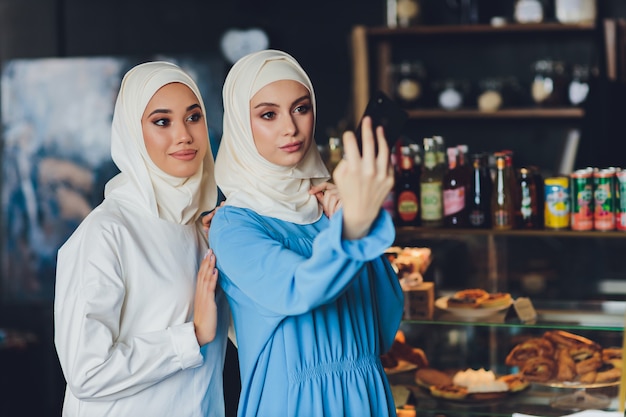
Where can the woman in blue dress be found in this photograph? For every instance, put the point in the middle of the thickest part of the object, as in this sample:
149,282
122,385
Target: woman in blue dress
314,300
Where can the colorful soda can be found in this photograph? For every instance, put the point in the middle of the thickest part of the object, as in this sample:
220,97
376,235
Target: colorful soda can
604,199
620,194
556,213
581,200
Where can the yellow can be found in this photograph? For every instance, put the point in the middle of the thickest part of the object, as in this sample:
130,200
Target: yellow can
556,213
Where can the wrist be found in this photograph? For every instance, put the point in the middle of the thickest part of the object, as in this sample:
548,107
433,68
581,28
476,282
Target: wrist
355,230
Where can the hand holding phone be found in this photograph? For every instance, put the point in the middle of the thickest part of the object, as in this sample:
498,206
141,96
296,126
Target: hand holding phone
386,113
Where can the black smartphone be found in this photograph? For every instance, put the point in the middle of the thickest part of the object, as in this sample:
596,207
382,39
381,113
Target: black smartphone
386,113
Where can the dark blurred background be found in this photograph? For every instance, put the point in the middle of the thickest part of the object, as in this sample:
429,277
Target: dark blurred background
317,33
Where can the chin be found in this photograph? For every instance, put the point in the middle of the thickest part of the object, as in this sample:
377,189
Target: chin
184,172
293,159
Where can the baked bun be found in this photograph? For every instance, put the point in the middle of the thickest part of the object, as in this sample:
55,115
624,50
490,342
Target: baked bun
570,340
388,360
497,299
516,382
406,411
608,373
591,363
450,392
566,366
409,262
426,377
566,357
409,353
470,298
611,353
531,348
539,369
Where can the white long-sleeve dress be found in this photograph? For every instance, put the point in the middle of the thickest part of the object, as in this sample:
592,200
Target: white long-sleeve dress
123,316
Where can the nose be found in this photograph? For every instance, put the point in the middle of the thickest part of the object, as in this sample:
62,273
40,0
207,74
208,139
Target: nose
289,126
183,135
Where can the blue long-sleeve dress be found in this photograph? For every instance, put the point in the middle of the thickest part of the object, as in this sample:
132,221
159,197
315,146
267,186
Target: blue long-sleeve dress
312,313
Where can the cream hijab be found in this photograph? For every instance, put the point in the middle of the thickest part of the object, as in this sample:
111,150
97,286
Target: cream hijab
179,200
246,178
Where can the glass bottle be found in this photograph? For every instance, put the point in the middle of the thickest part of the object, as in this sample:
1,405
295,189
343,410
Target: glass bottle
410,84
490,94
464,166
549,84
416,150
538,178
513,184
576,11
431,187
407,189
481,186
501,201
440,151
527,217
578,88
408,12
528,11
451,94
454,191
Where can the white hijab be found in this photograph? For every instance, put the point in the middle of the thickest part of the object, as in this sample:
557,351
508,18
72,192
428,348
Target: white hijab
179,200
246,178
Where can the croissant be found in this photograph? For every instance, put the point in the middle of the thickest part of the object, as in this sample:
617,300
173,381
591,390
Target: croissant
539,369
612,374
590,364
589,378
566,367
611,353
535,347
570,340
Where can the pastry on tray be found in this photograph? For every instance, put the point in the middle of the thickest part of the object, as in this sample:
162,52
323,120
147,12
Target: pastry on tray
472,298
401,351
559,356
426,377
469,298
470,384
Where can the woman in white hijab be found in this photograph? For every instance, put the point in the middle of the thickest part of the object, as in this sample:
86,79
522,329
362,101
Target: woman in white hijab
314,300
131,336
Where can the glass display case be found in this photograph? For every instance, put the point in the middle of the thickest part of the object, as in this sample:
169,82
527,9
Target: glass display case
573,290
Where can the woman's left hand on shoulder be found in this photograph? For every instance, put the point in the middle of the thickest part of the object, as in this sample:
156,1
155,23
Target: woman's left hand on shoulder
328,196
206,219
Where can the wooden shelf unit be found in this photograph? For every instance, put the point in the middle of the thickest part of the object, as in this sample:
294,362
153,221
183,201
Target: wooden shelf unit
378,42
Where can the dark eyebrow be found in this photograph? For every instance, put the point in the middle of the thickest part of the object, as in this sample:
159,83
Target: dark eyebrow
167,111
265,104
299,99
304,97
159,111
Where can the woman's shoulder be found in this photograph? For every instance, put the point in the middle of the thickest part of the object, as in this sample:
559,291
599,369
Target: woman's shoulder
236,215
231,220
107,214
105,219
